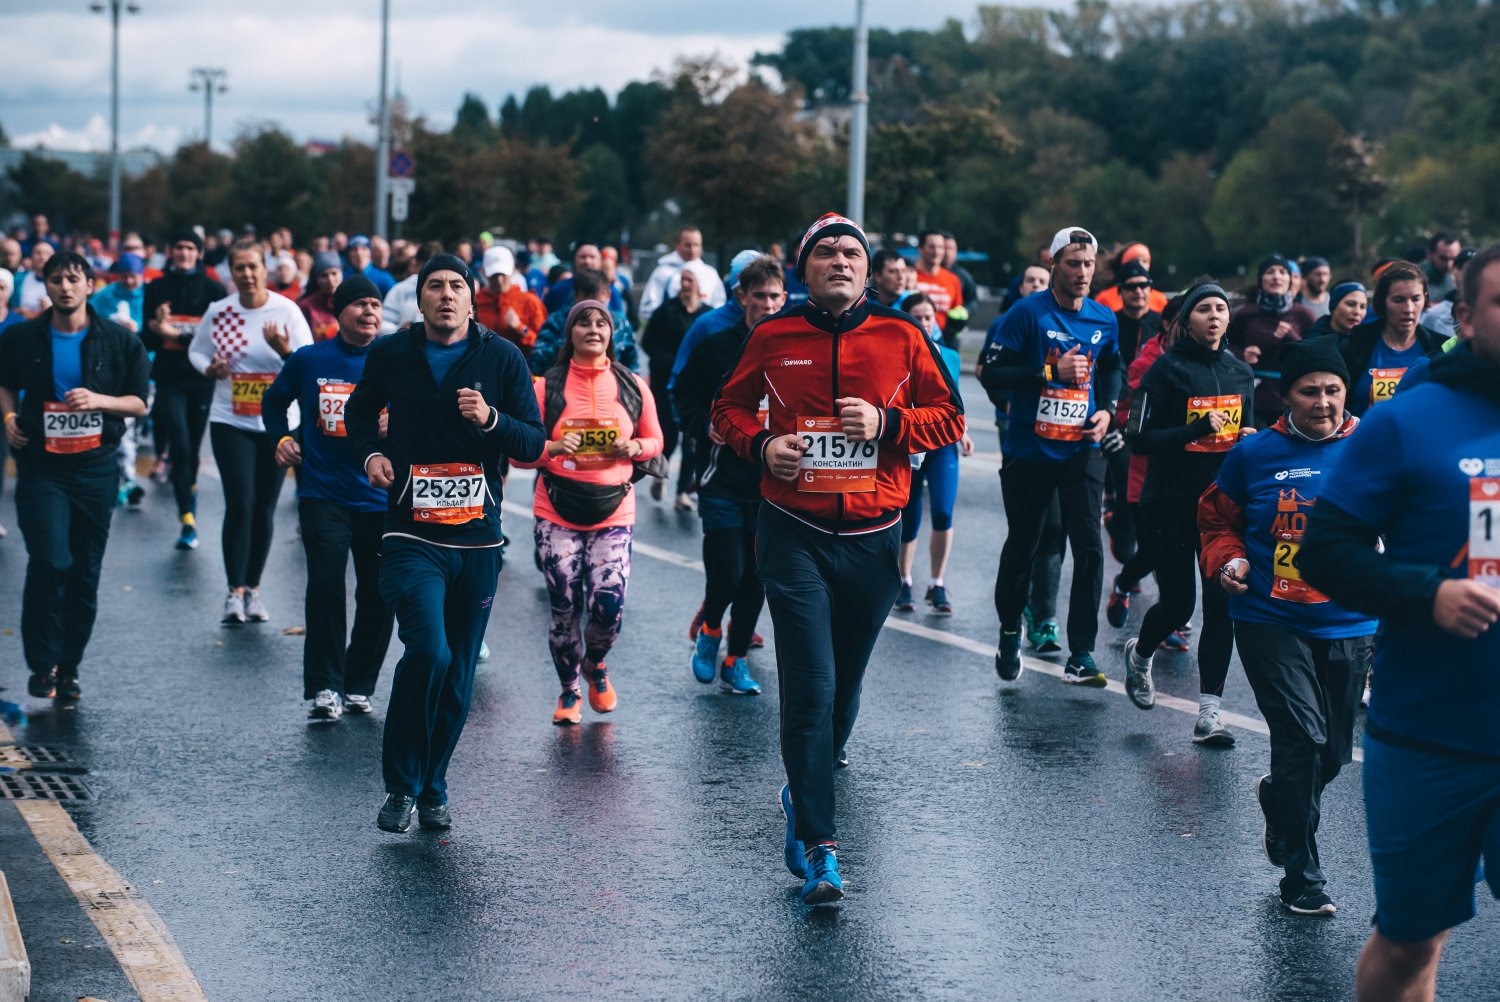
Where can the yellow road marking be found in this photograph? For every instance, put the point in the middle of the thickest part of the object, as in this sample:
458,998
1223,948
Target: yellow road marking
131,928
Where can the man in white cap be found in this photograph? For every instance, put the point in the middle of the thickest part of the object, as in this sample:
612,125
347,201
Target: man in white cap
1058,356
504,305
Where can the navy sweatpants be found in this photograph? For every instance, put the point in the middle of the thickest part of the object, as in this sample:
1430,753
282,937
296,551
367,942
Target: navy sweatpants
442,598
828,596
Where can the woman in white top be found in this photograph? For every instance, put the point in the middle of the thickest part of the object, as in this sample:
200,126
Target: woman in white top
242,342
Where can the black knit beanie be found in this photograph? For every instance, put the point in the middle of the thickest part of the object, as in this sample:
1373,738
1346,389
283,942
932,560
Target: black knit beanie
445,262
1318,354
351,290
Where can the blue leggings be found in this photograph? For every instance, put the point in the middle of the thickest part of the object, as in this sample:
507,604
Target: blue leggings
940,471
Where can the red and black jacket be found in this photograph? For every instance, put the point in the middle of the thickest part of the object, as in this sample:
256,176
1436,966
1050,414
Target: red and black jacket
803,359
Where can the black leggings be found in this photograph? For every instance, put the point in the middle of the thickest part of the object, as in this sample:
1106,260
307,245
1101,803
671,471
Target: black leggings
252,484
733,585
180,415
1169,534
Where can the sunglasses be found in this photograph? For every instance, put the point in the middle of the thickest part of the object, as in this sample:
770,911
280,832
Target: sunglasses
1135,286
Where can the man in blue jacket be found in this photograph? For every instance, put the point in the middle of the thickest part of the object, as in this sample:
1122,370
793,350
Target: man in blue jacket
460,402
338,509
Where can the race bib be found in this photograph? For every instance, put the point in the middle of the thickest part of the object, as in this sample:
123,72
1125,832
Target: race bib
68,432
1286,576
332,397
1484,530
1061,414
1222,440
1383,383
185,326
833,464
598,435
246,390
449,493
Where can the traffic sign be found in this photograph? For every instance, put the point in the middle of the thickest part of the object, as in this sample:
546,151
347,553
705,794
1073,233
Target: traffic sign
401,164
398,206
405,185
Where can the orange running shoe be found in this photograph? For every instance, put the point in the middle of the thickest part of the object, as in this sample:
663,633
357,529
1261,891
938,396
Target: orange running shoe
601,693
569,709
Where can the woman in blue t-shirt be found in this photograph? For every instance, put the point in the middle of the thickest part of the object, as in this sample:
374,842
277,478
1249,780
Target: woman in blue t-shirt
1305,657
1379,353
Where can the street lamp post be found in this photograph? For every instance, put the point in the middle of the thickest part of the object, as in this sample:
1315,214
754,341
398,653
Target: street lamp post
383,141
114,7
209,79
859,120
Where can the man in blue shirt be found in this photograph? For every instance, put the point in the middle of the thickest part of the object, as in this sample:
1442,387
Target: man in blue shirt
1423,475
361,262
338,510
1057,354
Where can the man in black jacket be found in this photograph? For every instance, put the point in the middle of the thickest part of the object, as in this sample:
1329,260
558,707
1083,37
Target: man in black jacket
174,306
460,401
81,376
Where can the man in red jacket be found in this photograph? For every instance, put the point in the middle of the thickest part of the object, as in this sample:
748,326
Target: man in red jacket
851,389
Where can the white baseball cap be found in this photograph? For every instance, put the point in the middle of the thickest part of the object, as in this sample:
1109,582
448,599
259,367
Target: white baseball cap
1069,235
499,260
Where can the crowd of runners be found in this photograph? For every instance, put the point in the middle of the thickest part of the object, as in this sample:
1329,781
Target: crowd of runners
1319,460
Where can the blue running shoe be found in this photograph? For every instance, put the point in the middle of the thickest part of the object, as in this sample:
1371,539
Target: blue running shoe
904,602
1176,641
1081,670
824,886
188,540
795,853
706,656
735,678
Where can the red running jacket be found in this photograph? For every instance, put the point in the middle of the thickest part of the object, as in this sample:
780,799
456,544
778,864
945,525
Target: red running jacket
803,359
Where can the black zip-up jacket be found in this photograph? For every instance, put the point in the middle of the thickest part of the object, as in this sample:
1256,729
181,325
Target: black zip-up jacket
1359,347
114,363
724,473
187,294
1339,554
426,428
1159,427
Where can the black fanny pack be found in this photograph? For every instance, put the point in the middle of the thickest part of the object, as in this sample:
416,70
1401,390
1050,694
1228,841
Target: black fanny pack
581,503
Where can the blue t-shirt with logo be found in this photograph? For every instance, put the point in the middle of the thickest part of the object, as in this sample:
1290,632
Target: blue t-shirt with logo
1417,471
1276,478
67,361
1387,358
1040,332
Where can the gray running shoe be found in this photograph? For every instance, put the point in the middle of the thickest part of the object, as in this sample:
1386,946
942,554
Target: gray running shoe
358,705
395,813
254,610
1139,685
1210,731
234,610
326,706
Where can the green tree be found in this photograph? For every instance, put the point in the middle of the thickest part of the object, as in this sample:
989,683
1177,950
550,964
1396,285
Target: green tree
272,181
70,200
604,211
472,125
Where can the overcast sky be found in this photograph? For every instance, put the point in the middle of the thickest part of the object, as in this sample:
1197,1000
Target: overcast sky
313,66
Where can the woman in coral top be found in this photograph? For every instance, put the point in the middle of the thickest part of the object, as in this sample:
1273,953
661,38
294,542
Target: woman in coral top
601,420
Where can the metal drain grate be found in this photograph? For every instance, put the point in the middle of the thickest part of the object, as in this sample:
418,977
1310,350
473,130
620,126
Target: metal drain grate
38,757
42,786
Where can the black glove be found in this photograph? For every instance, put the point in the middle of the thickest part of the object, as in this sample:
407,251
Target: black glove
1112,442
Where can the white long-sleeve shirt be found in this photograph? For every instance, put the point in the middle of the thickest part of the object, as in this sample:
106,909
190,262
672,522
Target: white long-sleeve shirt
236,332
710,286
400,307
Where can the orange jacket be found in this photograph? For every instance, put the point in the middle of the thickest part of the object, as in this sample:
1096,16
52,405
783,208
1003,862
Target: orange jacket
803,359
489,309
1156,300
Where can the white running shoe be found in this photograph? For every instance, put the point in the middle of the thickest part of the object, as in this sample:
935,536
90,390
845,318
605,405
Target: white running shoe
685,502
326,706
254,610
357,705
484,651
234,609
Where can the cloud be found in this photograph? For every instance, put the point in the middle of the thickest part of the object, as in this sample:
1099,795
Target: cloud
95,136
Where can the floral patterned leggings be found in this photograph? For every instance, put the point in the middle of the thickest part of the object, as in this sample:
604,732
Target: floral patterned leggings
586,572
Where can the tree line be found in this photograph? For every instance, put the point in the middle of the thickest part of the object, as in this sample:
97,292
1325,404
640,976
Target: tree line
1213,131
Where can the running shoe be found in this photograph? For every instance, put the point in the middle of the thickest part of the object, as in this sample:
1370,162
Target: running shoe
706,654
823,886
569,709
937,597
904,600
188,538
685,502
234,609
841,760
1313,901
484,651
1045,637
357,706
1364,697
134,492
1117,610
794,853
434,817
757,642
42,684
1210,730
161,472
1176,641
326,706
68,689
695,625
1139,685
657,488
1081,670
395,813
1270,838
601,694
1008,656
735,678
255,612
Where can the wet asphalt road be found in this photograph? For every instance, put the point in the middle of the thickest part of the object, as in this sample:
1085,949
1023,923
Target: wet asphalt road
1028,841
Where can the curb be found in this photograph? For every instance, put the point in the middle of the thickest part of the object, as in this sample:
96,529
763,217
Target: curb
15,969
